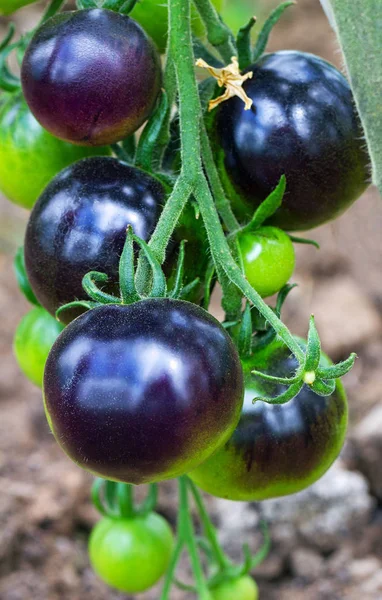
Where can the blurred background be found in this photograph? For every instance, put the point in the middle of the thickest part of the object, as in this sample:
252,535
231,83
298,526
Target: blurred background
327,540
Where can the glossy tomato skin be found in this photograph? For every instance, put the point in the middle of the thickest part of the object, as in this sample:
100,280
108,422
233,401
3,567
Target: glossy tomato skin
131,555
143,392
276,449
79,225
34,338
153,16
7,7
91,77
303,124
30,156
268,259
242,588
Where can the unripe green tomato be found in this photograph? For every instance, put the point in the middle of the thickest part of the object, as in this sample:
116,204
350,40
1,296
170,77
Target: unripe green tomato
131,555
7,7
244,588
30,156
153,16
34,337
268,259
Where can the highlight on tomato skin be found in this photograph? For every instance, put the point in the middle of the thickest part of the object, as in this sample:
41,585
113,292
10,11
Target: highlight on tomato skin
143,392
30,156
276,450
91,77
79,225
303,124
131,555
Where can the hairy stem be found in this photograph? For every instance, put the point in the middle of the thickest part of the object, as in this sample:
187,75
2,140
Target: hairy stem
218,33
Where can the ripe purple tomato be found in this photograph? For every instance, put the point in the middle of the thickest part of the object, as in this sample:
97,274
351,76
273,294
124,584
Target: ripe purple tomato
91,77
303,123
143,392
79,225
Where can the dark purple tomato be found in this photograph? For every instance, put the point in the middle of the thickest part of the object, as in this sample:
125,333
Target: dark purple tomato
91,77
303,123
143,392
276,449
79,225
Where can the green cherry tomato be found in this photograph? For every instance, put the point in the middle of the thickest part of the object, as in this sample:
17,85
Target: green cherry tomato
268,258
7,7
34,337
153,16
30,156
131,555
243,588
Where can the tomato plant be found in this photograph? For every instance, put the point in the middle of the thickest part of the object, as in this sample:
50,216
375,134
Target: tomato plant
34,337
143,385
131,555
268,259
153,16
84,79
30,156
302,124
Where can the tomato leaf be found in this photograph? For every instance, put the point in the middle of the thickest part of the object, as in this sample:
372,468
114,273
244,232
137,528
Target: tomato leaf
265,32
268,207
243,43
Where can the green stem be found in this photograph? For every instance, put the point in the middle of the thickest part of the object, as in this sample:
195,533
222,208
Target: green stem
52,9
218,33
222,255
222,203
170,573
210,531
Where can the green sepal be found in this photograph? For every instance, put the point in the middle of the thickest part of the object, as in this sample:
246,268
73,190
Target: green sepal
129,146
265,32
274,379
243,43
189,288
127,7
150,502
85,4
127,287
207,89
324,387
96,497
209,282
300,240
22,278
120,153
338,370
89,284
265,548
8,36
52,9
313,348
179,274
283,398
146,154
76,304
159,285
245,333
282,296
268,207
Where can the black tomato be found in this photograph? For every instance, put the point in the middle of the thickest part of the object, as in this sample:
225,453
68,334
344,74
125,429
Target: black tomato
91,77
303,123
143,392
276,449
79,225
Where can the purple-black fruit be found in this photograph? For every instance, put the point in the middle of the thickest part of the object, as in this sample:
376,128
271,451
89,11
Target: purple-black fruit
143,392
91,77
79,225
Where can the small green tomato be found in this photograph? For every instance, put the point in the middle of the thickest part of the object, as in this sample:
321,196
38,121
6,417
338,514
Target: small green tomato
243,588
131,555
268,258
34,337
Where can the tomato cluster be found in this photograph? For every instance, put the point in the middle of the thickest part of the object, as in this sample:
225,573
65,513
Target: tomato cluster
140,382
